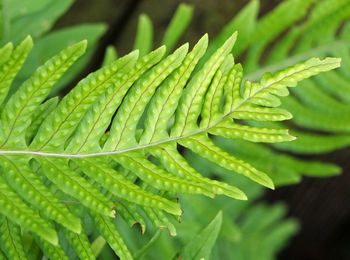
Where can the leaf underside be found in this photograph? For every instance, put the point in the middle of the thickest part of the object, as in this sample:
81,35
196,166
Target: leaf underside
113,141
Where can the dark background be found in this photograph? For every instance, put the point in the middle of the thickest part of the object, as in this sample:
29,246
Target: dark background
321,205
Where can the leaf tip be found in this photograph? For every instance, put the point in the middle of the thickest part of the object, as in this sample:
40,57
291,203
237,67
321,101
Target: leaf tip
28,41
204,40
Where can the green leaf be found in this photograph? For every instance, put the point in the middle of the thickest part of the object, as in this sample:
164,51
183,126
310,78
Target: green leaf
47,46
18,212
203,146
110,55
110,232
254,134
32,92
28,185
80,244
72,183
117,138
10,239
10,68
144,35
97,245
177,26
37,22
201,245
51,251
190,103
57,127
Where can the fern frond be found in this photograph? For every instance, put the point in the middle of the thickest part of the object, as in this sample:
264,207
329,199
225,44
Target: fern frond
120,187
10,239
29,186
109,231
69,181
13,64
144,35
80,244
62,121
51,251
160,220
177,26
320,104
16,117
131,215
114,139
5,53
16,210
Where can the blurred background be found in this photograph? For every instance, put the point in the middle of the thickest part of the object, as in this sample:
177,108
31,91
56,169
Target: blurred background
321,205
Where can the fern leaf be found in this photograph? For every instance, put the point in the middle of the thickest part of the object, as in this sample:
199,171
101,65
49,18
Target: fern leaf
160,220
211,110
190,103
110,55
159,178
38,116
341,91
16,117
173,162
168,95
244,22
5,53
312,97
80,244
254,134
326,16
136,101
144,35
114,139
27,184
250,112
200,246
10,68
70,182
51,251
177,26
201,143
10,239
111,180
31,248
98,118
36,23
307,117
310,143
130,214
272,25
62,121
110,232
18,212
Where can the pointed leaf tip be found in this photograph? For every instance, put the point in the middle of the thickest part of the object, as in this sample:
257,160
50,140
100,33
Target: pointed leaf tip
232,38
162,49
82,45
243,196
28,42
28,39
270,184
8,46
51,236
204,40
184,47
135,53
